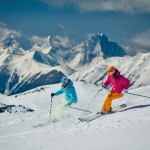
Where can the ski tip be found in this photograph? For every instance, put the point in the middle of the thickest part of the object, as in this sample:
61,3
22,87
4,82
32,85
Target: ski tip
81,119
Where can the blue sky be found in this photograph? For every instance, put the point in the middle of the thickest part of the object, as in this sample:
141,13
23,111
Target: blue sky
123,21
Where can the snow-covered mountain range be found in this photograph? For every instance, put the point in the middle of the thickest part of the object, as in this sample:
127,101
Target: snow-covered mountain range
25,64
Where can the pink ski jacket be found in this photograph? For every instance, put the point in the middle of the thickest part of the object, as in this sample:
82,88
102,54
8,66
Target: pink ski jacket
118,81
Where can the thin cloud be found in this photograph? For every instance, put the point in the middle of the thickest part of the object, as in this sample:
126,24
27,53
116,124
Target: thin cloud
39,40
143,39
2,24
64,41
126,6
139,43
61,25
5,31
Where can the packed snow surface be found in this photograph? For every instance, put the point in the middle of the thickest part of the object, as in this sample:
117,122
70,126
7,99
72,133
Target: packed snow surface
126,130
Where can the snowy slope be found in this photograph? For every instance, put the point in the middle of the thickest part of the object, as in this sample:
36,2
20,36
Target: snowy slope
128,129
22,72
136,68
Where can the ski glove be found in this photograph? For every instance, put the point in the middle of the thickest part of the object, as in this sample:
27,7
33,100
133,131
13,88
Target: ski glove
52,94
103,87
124,91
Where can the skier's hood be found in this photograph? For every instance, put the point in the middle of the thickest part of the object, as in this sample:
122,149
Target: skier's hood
117,72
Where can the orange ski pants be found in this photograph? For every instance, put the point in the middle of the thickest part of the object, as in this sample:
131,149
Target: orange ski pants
108,101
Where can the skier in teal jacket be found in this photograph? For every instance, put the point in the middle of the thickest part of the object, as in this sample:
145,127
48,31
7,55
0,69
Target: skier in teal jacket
69,91
70,97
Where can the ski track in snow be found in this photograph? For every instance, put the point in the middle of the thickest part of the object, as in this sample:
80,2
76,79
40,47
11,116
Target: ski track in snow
76,126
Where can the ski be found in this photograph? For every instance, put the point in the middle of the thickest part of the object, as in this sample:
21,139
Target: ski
97,115
50,121
94,116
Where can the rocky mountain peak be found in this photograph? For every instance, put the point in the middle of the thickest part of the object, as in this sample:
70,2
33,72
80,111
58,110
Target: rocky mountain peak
17,40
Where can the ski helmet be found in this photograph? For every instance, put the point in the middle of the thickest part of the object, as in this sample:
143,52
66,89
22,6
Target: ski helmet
64,80
111,70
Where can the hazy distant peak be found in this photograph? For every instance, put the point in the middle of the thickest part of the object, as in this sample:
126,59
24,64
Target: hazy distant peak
17,40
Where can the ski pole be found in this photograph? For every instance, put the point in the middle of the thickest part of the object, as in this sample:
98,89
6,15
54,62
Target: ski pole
93,98
51,106
138,95
80,109
96,94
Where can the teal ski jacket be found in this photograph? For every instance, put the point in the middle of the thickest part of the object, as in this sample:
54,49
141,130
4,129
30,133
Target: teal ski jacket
70,93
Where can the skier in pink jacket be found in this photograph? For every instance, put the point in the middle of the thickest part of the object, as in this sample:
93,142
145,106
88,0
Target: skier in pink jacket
119,84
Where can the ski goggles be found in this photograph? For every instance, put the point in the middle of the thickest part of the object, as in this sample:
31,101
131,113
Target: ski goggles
111,73
62,82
